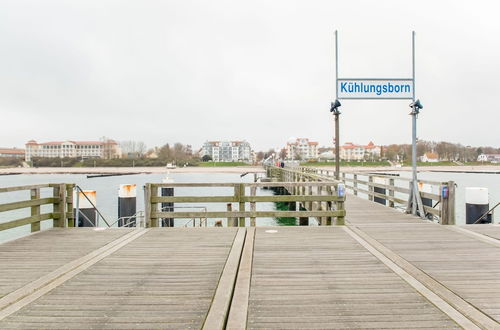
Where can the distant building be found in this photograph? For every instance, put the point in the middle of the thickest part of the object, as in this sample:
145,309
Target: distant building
12,153
301,149
350,151
492,158
73,149
430,157
227,151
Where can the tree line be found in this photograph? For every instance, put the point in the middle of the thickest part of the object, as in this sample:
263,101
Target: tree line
446,151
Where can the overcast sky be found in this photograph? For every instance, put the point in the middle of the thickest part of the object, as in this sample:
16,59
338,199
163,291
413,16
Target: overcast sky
191,71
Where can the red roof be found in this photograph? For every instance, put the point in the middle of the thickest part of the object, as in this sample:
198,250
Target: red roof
33,142
350,145
13,151
431,155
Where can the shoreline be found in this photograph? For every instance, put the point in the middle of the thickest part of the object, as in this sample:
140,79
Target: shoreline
129,170
237,169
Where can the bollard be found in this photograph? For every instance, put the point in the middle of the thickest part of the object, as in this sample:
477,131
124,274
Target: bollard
127,204
476,205
167,207
87,216
379,190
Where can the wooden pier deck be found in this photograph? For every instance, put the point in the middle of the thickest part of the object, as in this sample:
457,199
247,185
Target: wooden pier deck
384,269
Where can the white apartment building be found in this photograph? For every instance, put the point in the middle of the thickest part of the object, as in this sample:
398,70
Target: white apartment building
350,151
301,149
73,149
227,151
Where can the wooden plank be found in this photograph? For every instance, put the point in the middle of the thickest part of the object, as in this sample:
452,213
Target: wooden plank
54,248
424,272
194,199
166,278
27,220
237,318
16,300
447,306
27,203
319,277
257,214
247,199
219,310
27,187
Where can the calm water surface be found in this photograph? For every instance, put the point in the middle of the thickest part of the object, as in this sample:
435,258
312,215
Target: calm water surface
107,195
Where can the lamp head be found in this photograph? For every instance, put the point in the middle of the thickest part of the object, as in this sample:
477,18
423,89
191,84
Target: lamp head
416,105
335,106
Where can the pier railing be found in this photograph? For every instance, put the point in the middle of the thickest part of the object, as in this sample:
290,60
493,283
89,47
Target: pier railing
390,190
314,199
61,200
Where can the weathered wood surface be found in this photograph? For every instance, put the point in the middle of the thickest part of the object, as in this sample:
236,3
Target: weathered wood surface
490,230
385,269
304,278
29,258
466,265
164,279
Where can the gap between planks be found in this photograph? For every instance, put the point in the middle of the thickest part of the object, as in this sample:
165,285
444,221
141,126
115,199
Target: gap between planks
25,295
459,310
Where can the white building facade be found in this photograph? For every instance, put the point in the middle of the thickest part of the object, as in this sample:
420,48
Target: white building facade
227,151
350,151
73,149
301,149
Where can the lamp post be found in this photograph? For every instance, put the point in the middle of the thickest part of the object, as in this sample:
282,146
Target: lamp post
334,108
416,106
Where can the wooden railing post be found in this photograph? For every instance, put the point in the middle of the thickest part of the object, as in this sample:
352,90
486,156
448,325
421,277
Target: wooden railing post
60,205
241,189
329,205
154,206
231,221
370,188
69,205
340,207
253,207
147,204
35,210
321,206
355,185
391,192
448,205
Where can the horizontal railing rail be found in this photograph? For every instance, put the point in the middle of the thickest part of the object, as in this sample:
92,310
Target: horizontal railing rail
392,190
61,201
321,197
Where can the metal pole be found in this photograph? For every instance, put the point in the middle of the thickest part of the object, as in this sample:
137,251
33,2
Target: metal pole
414,135
336,64
337,148
337,160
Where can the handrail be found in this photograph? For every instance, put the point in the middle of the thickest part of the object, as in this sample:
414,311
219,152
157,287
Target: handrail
487,212
325,193
93,206
61,200
385,191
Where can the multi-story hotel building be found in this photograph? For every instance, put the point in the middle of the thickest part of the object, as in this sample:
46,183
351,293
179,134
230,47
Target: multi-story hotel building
301,149
227,151
350,151
74,149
